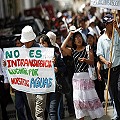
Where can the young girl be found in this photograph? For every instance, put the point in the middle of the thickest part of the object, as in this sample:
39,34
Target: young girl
86,101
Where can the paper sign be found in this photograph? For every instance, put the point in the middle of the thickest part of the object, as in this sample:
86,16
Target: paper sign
111,4
30,70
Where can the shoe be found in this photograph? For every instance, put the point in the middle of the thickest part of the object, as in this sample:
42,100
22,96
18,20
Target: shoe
117,118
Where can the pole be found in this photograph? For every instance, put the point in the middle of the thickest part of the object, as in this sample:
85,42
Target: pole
111,49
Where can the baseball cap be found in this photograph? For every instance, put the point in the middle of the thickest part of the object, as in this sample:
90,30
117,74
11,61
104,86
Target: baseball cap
91,33
107,18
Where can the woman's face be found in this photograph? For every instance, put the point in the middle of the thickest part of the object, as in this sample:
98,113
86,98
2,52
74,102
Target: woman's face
90,40
78,40
43,43
18,43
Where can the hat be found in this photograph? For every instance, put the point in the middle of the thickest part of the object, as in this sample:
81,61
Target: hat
107,18
91,33
52,37
27,34
59,14
72,28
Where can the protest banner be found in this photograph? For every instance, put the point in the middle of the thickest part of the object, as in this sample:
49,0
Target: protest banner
111,4
30,70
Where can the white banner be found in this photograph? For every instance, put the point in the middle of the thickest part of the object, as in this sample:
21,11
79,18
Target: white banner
111,4
30,70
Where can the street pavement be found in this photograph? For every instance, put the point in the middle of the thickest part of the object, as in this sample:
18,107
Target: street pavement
12,114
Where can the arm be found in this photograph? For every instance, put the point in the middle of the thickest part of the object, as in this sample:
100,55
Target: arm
3,68
102,59
90,59
59,66
98,70
64,44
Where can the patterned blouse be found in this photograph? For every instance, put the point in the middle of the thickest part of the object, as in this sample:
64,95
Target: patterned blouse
80,66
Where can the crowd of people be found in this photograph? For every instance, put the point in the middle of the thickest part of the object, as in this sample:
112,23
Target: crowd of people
69,34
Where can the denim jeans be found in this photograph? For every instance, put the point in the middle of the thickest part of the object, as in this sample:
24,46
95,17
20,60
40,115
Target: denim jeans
52,104
31,103
20,102
61,113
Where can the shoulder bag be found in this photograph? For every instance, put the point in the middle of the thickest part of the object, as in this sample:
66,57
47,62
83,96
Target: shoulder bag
91,69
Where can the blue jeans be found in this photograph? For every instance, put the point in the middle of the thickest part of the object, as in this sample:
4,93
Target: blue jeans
61,109
20,102
52,104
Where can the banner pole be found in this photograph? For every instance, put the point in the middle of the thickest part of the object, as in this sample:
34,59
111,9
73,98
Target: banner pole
111,49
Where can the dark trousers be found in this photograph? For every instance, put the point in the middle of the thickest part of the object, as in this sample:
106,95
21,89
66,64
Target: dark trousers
69,99
100,87
20,103
114,85
53,100
3,102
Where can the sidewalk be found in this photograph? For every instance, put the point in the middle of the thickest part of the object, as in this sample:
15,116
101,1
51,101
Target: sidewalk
12,114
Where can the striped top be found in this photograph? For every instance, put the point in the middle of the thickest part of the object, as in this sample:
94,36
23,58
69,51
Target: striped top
80,66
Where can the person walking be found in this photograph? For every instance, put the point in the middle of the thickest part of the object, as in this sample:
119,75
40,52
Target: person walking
28,38
103,52
20,97
3,80
53,98
85,98
99,84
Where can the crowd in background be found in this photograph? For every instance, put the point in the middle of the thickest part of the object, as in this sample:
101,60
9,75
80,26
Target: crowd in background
69,33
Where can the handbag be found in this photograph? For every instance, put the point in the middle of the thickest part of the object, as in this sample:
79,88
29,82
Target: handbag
91,69
92,72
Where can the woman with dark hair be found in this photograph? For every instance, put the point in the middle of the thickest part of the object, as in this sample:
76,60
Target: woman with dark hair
86,101
78,34
45,42
53,98
99,84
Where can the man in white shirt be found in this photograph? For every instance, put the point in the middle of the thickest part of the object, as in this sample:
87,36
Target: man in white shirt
103,52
